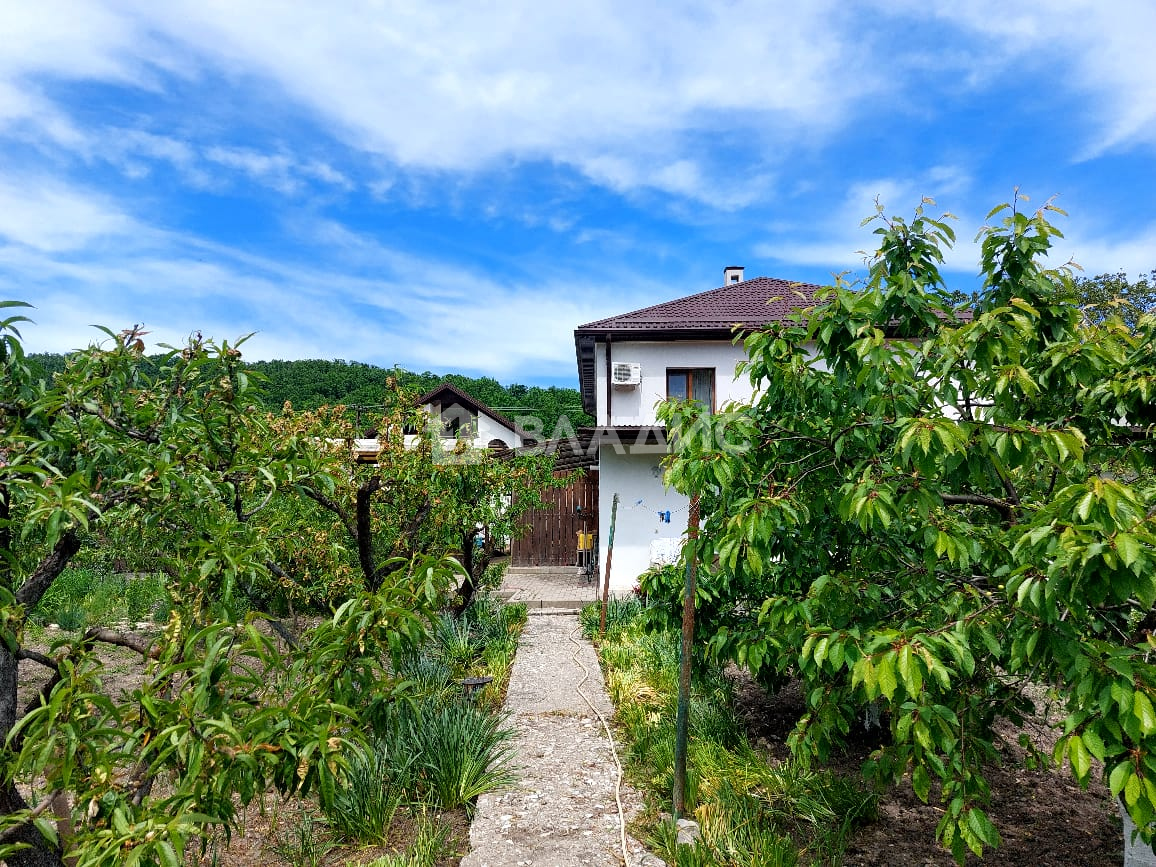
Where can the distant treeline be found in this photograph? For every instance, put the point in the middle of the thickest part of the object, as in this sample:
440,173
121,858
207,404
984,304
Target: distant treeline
312,383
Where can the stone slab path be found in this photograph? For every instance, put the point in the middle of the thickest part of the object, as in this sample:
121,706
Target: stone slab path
562,811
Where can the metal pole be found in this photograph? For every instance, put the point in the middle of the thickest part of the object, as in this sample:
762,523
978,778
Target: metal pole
682,721
609,560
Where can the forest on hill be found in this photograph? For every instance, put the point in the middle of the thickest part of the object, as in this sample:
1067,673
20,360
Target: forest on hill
311,383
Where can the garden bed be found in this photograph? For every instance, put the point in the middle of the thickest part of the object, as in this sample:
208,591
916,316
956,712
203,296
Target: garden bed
422,808
1043,816
742,780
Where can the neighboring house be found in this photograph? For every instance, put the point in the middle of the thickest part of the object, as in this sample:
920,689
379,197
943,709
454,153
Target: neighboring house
630,363
456,415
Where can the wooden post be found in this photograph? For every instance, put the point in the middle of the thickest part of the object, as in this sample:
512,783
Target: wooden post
609,560
682,720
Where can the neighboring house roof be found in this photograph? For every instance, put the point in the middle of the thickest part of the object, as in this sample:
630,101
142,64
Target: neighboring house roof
473,403
570,453
710,315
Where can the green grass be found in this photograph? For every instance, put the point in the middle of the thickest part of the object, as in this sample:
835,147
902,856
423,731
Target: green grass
364,807
429,845
306,844
620,613
93,596
445,754
750,812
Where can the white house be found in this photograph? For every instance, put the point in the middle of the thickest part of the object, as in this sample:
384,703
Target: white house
627,365
456,415
460,416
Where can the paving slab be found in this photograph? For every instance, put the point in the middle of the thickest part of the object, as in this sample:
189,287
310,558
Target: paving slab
548,587
562,812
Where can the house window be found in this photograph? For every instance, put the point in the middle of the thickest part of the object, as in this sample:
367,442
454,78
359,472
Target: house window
691,383
458,421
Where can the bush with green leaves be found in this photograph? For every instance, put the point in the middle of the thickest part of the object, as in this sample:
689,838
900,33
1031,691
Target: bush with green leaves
94,595
927,506
428,847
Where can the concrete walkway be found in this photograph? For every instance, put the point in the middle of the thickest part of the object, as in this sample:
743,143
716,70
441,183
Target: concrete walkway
548,587
562,812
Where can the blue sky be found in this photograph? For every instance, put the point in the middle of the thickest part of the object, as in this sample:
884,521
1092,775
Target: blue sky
455,187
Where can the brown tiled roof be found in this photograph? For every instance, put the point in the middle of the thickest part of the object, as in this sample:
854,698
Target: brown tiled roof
710,315
751,303
571,453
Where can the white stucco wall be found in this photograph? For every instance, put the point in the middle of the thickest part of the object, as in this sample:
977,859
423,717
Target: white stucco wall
490,429
635,475
635,405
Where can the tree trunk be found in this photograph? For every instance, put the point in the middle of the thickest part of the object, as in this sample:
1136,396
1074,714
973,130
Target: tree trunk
42,853
470,583
49,569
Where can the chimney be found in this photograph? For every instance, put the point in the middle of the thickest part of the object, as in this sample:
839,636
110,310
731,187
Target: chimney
732,274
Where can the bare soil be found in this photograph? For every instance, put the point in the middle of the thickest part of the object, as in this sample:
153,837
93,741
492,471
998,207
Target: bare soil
1043,816
270,837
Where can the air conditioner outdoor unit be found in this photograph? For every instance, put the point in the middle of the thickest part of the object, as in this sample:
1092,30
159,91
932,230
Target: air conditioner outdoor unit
625,373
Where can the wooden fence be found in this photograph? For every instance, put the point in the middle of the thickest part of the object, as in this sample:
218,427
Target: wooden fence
552,535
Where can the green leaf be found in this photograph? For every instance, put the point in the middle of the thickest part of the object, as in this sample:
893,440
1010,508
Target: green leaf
1084,508
168,856
921,782
1080,758
1095,744
909,670
886,669
982,827
47,829
1132,790
1128,547
1142,708
1119,777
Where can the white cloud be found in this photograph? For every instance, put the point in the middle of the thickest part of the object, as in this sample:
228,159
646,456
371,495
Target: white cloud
357,299
45,215
1096,254
463,86
838,240
1099,50
626,93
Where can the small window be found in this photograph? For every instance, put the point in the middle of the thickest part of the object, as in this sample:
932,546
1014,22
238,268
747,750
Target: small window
691,383
458,421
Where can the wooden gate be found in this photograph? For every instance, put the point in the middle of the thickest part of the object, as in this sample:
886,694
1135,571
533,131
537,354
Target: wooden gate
551,534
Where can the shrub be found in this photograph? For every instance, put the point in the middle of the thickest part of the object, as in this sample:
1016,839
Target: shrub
492,577
460,750
428,674
620,613
70,618
101,597
455,643
144,596
428,846
304,844
67,591
364,807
